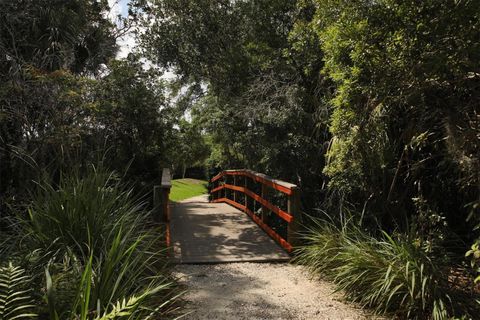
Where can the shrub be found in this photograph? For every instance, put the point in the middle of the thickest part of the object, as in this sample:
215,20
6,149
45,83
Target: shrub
391,274
81,213
92,253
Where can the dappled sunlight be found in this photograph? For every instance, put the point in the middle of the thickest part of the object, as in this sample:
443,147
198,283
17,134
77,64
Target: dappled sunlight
204,232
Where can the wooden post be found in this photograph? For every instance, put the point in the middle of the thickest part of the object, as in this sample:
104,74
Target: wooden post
212,194
234,192
246,187
224,189
294,210
265,211
161,195
215,194
165,203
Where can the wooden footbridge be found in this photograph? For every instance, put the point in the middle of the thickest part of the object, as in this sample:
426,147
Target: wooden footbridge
247,216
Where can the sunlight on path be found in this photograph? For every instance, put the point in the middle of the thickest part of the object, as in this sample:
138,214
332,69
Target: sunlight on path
205,232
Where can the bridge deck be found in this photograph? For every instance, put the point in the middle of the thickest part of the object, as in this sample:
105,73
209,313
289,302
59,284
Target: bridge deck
203,232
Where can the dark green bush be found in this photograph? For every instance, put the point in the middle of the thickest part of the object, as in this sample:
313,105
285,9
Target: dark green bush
90,251
391,274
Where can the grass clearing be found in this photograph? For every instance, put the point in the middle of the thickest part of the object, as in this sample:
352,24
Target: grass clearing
187,188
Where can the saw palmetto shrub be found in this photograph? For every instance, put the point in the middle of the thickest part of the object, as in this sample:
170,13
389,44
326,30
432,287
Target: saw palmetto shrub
90,251
390,274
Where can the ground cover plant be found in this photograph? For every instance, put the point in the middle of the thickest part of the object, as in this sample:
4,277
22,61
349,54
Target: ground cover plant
398,275
86,250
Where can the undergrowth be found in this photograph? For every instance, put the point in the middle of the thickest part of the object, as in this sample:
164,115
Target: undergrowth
89,251
391,274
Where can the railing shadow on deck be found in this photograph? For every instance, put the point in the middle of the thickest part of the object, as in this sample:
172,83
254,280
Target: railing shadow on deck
218,233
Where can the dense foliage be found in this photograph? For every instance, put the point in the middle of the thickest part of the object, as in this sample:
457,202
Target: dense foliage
251,95
396,89
371,107
404,120
84,252
43,45
75,243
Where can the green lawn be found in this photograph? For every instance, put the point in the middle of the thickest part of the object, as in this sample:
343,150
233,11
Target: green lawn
187,188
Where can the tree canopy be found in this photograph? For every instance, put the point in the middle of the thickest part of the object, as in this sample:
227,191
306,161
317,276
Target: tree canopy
370,107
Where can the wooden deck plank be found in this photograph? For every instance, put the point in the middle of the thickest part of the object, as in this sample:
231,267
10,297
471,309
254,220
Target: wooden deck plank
203,232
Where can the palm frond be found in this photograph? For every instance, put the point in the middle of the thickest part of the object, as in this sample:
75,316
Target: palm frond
16,301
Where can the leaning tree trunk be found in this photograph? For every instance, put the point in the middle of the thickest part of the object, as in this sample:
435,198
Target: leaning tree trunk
184,171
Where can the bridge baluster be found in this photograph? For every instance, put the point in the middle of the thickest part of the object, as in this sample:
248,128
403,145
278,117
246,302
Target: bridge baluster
265,211
292,216
293,207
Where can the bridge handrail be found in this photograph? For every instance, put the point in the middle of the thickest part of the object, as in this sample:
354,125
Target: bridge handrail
278,185
292,216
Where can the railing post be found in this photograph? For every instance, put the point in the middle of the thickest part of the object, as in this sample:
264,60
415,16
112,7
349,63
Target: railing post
246,188
161,195
265,211
213,193
224,189
235,192
294,210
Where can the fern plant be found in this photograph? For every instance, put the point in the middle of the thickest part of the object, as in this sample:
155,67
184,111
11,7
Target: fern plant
16,301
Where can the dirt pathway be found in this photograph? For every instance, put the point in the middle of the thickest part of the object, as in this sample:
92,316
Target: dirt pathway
260,291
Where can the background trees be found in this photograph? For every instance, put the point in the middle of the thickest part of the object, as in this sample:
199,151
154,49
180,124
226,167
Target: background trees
75,242
257,104
190,148
371,107
377,100
133,119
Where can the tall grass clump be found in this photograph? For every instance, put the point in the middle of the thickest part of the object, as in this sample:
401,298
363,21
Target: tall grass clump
91,251
391,274
82,211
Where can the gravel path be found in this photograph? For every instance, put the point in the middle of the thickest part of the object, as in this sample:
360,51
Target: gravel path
260,291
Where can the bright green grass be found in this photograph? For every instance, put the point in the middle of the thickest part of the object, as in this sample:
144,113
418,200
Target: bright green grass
187,188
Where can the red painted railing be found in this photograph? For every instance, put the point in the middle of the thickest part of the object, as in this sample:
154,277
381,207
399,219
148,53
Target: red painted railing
240,184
